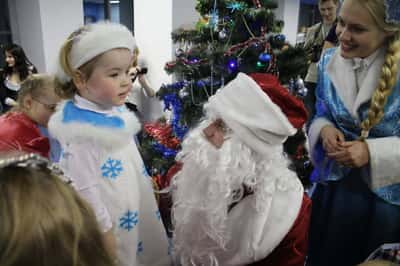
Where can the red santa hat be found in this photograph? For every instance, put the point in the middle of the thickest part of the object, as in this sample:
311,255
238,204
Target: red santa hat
258,109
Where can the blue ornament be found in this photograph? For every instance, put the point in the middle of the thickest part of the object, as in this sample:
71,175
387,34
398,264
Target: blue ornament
233,65
264,57
280,38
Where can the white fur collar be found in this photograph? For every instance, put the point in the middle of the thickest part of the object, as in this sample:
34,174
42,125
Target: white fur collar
79,121
341,73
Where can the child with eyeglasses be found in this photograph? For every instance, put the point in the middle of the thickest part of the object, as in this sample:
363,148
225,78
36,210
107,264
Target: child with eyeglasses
23,128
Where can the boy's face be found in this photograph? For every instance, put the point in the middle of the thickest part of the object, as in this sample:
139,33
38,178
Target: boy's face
327,10
110,83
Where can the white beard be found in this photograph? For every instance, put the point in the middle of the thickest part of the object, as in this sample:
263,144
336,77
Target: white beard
210,181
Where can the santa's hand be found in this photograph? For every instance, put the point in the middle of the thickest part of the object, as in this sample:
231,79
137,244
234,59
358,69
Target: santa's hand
351,154
331,137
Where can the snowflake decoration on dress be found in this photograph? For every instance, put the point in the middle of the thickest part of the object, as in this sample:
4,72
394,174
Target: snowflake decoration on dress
129,220
111,168
139,247
392,11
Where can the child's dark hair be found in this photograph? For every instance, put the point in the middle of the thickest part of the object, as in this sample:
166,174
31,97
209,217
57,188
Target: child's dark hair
23,66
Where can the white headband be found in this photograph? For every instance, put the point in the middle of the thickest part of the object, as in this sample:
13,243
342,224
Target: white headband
96,39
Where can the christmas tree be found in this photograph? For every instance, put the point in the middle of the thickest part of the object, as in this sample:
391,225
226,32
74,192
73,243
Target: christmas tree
230,37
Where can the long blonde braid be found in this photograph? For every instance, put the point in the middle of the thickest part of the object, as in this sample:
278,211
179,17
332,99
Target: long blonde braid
385,85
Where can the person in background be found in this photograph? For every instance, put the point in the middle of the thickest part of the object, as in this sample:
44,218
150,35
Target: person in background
354,138
96,133
139,88
21,128
331,39
313,44
43,220
17,69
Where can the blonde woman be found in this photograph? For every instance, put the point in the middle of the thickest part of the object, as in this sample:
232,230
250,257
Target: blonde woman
43,220
354,138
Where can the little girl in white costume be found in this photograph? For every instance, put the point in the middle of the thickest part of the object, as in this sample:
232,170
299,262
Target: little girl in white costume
96,133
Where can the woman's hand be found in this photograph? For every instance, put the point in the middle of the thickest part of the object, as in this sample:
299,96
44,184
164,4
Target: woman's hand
331,137
351,153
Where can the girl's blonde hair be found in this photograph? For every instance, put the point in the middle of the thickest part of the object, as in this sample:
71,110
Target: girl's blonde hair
35,85
68,89
387,81
45,223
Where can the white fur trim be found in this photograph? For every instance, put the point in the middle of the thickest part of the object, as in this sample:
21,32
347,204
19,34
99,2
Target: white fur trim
314,132
344,80
94,40
110,138
384,159
251,114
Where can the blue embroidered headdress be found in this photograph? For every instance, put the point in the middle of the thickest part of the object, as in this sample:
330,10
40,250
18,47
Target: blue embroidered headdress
392,11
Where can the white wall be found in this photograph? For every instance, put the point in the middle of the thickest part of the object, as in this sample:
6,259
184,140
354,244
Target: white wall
288,11
40,27
59,18
185,13
153,26
27,29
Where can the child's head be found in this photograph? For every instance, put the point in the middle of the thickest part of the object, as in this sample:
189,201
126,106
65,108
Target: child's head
94,62
43,220
37,98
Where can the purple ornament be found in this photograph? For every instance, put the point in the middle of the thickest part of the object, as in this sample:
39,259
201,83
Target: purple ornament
233,65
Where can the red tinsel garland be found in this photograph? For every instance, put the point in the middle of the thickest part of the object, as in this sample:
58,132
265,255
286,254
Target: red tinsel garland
162,133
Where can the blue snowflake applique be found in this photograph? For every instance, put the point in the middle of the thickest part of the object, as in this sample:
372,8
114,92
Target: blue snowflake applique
112,168
139,247
129,220
158,215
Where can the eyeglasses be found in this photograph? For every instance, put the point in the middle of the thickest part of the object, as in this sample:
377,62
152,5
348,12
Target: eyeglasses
51,107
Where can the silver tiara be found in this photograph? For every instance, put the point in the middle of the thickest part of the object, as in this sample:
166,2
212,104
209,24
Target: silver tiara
32,160
392,11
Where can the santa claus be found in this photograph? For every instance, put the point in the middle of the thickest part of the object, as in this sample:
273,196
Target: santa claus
235,202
